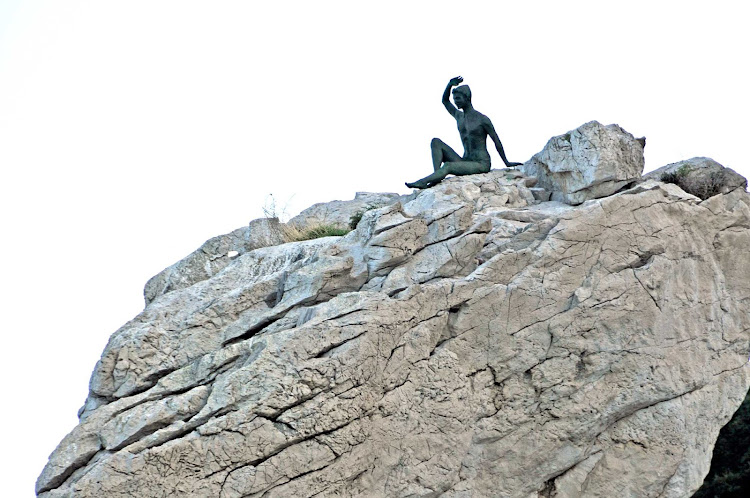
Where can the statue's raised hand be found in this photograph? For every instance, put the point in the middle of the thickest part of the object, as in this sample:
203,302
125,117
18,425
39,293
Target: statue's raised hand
456,81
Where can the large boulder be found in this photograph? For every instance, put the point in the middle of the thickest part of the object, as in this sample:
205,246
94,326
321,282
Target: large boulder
589,162
470,341
701,176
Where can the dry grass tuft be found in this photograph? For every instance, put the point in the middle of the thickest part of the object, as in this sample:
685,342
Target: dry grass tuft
292,233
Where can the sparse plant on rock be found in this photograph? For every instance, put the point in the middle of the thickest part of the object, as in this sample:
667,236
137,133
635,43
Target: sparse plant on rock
702,186
293,232
296,234
675,176
357,217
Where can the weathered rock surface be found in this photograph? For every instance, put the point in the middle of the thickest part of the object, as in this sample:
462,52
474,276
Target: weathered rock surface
471,341
216,253
339,213
213,256
702,175
589,162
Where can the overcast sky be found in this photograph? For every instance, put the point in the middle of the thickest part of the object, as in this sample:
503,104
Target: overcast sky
132,131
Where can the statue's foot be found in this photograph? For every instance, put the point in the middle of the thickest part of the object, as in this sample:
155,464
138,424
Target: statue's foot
417,185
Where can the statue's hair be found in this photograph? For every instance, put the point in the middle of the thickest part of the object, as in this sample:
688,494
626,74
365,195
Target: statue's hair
463,89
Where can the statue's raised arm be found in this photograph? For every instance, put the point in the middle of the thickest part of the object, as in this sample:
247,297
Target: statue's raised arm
447,95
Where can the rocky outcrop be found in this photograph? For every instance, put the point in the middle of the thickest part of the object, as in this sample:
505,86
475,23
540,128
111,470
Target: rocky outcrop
589,162
216,253
471,341
700,176
340,213
213,256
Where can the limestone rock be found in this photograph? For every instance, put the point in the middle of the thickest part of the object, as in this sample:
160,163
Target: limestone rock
589,162
700,176
213,256
216,253
339,213
467,340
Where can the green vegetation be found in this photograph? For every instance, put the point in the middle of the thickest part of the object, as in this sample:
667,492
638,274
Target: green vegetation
357,217
676,176
292,233
729,476
322,231
702,186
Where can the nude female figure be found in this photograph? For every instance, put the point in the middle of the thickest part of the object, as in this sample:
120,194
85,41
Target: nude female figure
474,128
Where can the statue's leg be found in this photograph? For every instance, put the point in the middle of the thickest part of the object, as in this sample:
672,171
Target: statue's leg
442,153
457,168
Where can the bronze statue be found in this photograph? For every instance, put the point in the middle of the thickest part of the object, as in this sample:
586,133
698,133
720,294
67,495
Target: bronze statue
474,128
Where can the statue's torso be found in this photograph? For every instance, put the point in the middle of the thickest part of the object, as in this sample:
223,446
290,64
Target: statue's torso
473,136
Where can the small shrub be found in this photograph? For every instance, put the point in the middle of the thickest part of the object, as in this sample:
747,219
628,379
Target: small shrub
357,217
702,187
293,233
683,171
670,178
705,187
676,176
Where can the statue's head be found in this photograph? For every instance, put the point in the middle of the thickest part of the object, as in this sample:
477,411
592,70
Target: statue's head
462,96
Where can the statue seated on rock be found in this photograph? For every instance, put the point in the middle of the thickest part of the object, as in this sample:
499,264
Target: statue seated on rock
474,128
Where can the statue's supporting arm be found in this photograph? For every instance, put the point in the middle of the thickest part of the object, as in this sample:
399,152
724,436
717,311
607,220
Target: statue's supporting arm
498,145
447,95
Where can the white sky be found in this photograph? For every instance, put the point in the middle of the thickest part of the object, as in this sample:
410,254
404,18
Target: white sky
132,131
